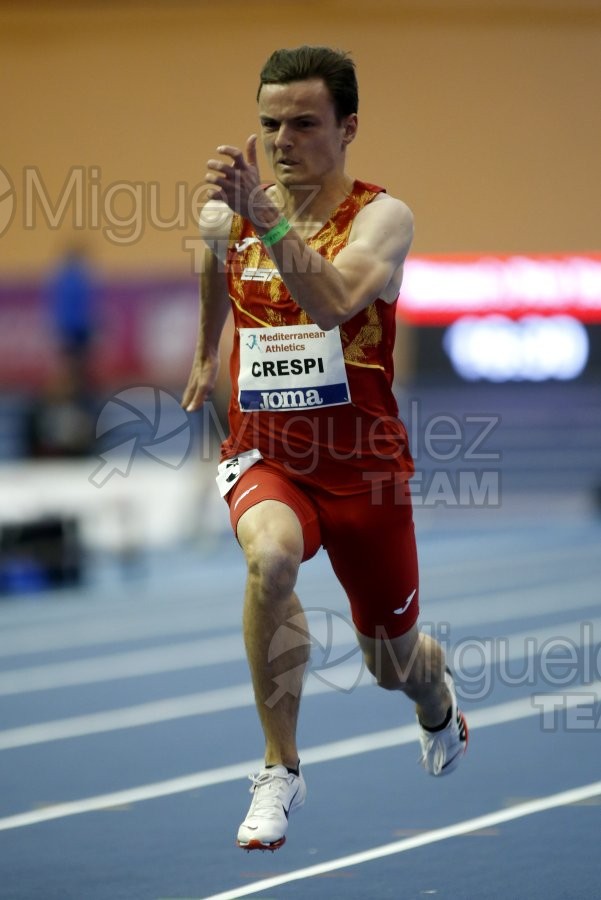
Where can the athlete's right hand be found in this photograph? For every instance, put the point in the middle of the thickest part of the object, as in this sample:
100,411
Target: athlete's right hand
201,382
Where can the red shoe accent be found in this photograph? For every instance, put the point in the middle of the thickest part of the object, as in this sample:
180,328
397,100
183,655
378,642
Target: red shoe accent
257,845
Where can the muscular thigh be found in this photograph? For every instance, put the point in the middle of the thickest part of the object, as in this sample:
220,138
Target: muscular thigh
264,499
370,540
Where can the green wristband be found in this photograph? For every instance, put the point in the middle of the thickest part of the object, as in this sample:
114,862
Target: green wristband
276,233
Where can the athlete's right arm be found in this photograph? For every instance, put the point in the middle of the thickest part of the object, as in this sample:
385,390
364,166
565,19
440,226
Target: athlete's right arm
214,309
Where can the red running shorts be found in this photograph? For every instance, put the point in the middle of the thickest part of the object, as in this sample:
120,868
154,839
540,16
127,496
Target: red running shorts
369,538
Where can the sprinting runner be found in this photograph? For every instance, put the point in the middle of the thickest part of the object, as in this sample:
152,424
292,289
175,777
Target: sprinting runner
311,266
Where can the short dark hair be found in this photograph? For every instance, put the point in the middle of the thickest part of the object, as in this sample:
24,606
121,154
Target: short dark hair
334,67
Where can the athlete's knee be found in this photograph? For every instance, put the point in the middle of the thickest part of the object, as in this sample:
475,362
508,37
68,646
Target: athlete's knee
272,565
391,674
395,663
387,673
272,540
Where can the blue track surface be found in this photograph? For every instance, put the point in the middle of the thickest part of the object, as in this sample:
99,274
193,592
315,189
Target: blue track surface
513,592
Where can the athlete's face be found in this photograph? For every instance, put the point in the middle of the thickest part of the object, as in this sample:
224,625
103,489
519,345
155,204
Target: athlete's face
304,142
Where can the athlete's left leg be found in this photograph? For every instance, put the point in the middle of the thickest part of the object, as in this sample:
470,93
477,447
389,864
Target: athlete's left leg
413,663
370,539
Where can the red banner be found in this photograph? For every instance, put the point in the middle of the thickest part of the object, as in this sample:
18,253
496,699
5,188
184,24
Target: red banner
437,290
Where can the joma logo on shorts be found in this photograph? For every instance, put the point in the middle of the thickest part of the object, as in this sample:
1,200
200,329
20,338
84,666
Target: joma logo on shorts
290,399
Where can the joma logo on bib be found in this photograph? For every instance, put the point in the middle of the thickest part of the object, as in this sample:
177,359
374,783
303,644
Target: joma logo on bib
292,399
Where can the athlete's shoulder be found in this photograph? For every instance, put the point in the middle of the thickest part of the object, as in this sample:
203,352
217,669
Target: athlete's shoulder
379,195
394,206
385,211
384,228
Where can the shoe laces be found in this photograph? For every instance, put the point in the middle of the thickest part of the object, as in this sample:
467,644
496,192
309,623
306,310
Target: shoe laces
434,751
438,748
267,789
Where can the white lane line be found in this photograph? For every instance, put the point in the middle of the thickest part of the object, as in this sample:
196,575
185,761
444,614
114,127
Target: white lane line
477,613
152,713
172,658
94,632
515,603
235,697
558,644
529,808
104,625
472,654
335,750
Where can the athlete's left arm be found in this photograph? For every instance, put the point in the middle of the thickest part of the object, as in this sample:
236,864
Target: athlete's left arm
371,265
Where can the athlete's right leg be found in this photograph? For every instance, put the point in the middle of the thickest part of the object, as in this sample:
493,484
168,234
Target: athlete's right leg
277,527
272,539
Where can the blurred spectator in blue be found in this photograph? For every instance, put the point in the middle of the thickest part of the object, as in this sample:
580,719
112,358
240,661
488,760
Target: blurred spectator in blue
73,309
60,421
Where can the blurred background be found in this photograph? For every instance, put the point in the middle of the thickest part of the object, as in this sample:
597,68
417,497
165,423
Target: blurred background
483,115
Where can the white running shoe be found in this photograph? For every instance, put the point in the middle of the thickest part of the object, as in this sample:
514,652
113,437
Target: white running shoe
275,794
442,750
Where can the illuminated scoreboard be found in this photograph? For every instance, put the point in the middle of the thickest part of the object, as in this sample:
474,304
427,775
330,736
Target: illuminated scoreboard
505,318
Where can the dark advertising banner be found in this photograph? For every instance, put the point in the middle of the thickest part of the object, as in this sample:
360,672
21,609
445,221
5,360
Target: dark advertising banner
492,318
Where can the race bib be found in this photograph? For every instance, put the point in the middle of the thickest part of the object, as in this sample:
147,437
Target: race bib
292,367
230,470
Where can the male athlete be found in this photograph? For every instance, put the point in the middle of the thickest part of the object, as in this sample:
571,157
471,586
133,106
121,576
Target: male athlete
311,266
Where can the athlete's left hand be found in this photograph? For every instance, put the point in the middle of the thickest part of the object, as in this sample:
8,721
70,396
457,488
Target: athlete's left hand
237,183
